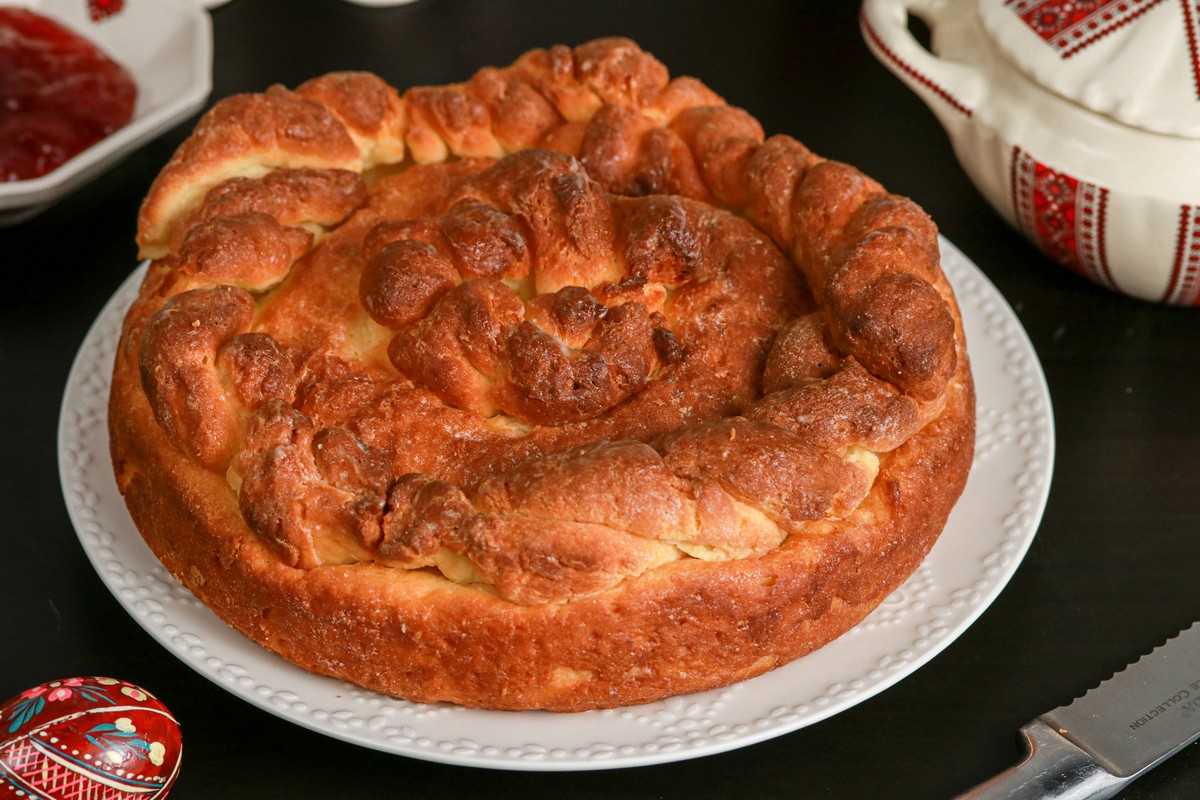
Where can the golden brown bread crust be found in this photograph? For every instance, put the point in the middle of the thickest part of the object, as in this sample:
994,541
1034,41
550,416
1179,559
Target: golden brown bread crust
561,388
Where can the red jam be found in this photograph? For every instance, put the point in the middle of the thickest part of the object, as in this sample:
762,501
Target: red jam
103,9
59,94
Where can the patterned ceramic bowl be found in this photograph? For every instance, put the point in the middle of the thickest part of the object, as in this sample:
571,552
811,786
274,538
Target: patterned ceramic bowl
1078,120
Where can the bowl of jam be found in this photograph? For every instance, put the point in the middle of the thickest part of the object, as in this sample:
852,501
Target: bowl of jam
82,84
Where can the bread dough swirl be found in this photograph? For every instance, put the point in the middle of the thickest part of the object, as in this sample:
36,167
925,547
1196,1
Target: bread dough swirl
547,340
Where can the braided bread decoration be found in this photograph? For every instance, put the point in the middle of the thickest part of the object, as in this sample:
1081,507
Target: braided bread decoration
563,387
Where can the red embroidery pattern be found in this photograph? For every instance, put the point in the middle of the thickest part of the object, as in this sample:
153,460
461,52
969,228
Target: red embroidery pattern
907,68
1184,288
1062,215
1069,26
1191,13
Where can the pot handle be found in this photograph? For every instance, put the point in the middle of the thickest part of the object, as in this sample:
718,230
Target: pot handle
939,82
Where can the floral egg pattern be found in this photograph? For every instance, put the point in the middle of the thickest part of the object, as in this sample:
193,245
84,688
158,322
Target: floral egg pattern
87,739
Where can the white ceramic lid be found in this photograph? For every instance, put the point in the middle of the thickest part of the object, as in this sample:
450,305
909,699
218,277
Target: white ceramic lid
1136,61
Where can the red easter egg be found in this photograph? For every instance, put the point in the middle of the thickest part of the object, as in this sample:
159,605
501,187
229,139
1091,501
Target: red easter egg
93,738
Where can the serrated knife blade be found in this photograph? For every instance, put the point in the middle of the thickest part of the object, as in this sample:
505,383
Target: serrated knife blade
1098,744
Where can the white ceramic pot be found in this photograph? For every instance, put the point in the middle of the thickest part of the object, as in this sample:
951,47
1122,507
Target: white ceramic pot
1078,120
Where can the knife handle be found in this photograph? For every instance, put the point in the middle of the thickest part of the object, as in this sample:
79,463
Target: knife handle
1053,768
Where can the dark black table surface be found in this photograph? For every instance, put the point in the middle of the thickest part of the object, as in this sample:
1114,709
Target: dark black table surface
1113,570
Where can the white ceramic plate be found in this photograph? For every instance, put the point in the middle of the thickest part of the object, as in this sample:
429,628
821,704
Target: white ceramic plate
167,47
988,534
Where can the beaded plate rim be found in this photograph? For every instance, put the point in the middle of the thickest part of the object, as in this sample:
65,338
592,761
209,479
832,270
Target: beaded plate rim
988,534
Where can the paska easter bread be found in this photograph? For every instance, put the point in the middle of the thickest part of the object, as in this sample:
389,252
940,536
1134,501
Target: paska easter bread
560,388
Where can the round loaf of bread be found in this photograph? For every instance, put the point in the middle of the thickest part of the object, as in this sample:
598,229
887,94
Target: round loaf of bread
560,388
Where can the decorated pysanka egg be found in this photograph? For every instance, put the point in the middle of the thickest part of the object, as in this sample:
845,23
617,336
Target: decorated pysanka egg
93,738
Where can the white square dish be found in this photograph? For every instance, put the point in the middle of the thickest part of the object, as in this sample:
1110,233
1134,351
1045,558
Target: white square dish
167,47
